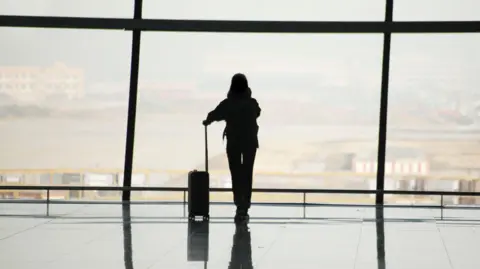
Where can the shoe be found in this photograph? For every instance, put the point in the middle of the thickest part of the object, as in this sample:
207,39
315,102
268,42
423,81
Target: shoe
241,215
241,218
241,228
246,216
238,217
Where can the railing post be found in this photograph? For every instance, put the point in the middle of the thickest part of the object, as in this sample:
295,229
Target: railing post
184,202
304,204
441,206
48,202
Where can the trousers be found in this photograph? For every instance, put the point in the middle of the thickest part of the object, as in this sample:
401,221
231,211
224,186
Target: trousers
241,160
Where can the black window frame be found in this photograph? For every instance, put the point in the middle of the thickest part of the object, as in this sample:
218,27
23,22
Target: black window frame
137,25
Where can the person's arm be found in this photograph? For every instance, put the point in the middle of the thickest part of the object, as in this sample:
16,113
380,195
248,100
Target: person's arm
257,107
218,114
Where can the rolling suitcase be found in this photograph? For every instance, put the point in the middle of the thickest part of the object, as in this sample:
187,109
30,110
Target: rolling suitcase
199,190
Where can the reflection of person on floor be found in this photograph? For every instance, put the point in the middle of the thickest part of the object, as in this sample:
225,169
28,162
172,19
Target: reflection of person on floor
240,111
242,248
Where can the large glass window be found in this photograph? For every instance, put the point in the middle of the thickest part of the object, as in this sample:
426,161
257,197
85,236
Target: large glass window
71,8
63,106
434,115
319,96
303,10
64,95
436,10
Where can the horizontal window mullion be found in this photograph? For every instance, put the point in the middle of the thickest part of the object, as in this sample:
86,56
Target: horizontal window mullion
240,26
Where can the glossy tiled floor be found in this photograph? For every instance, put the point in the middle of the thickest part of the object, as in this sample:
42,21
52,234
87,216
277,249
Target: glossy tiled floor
157,236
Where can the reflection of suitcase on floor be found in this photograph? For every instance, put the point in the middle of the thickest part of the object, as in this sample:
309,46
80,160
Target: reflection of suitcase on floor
199,190
198,238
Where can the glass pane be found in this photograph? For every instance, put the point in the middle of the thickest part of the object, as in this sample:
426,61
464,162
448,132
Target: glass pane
303,10
437,10
319,96
63,107
434,115
79,8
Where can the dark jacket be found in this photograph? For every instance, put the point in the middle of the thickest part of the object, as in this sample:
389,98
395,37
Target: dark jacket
240,115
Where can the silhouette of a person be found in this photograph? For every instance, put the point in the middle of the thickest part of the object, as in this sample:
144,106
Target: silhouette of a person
240,112
241,257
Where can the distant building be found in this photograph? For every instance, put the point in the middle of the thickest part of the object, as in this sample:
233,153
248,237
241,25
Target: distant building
398,161
162,88
33,84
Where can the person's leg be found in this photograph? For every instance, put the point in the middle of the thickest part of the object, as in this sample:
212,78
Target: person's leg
235,164
247,167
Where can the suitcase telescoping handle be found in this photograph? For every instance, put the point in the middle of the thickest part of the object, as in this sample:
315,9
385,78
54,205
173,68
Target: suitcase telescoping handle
206,149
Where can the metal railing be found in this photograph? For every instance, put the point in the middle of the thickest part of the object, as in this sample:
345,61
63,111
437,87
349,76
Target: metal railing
304,203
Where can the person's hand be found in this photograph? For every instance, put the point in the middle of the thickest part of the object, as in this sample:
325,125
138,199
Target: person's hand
205,122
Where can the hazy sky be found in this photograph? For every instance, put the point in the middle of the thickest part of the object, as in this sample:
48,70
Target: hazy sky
322,60
343,69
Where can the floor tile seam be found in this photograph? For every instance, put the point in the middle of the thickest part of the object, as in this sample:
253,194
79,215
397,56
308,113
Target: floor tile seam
162,255
26,230
65,254
60,216
36,226
44,262
444,245
358,246
269,248
78,245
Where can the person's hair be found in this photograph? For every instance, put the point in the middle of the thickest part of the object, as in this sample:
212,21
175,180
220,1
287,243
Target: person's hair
239,86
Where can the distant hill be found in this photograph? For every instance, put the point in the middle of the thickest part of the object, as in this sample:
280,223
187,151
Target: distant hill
7,111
